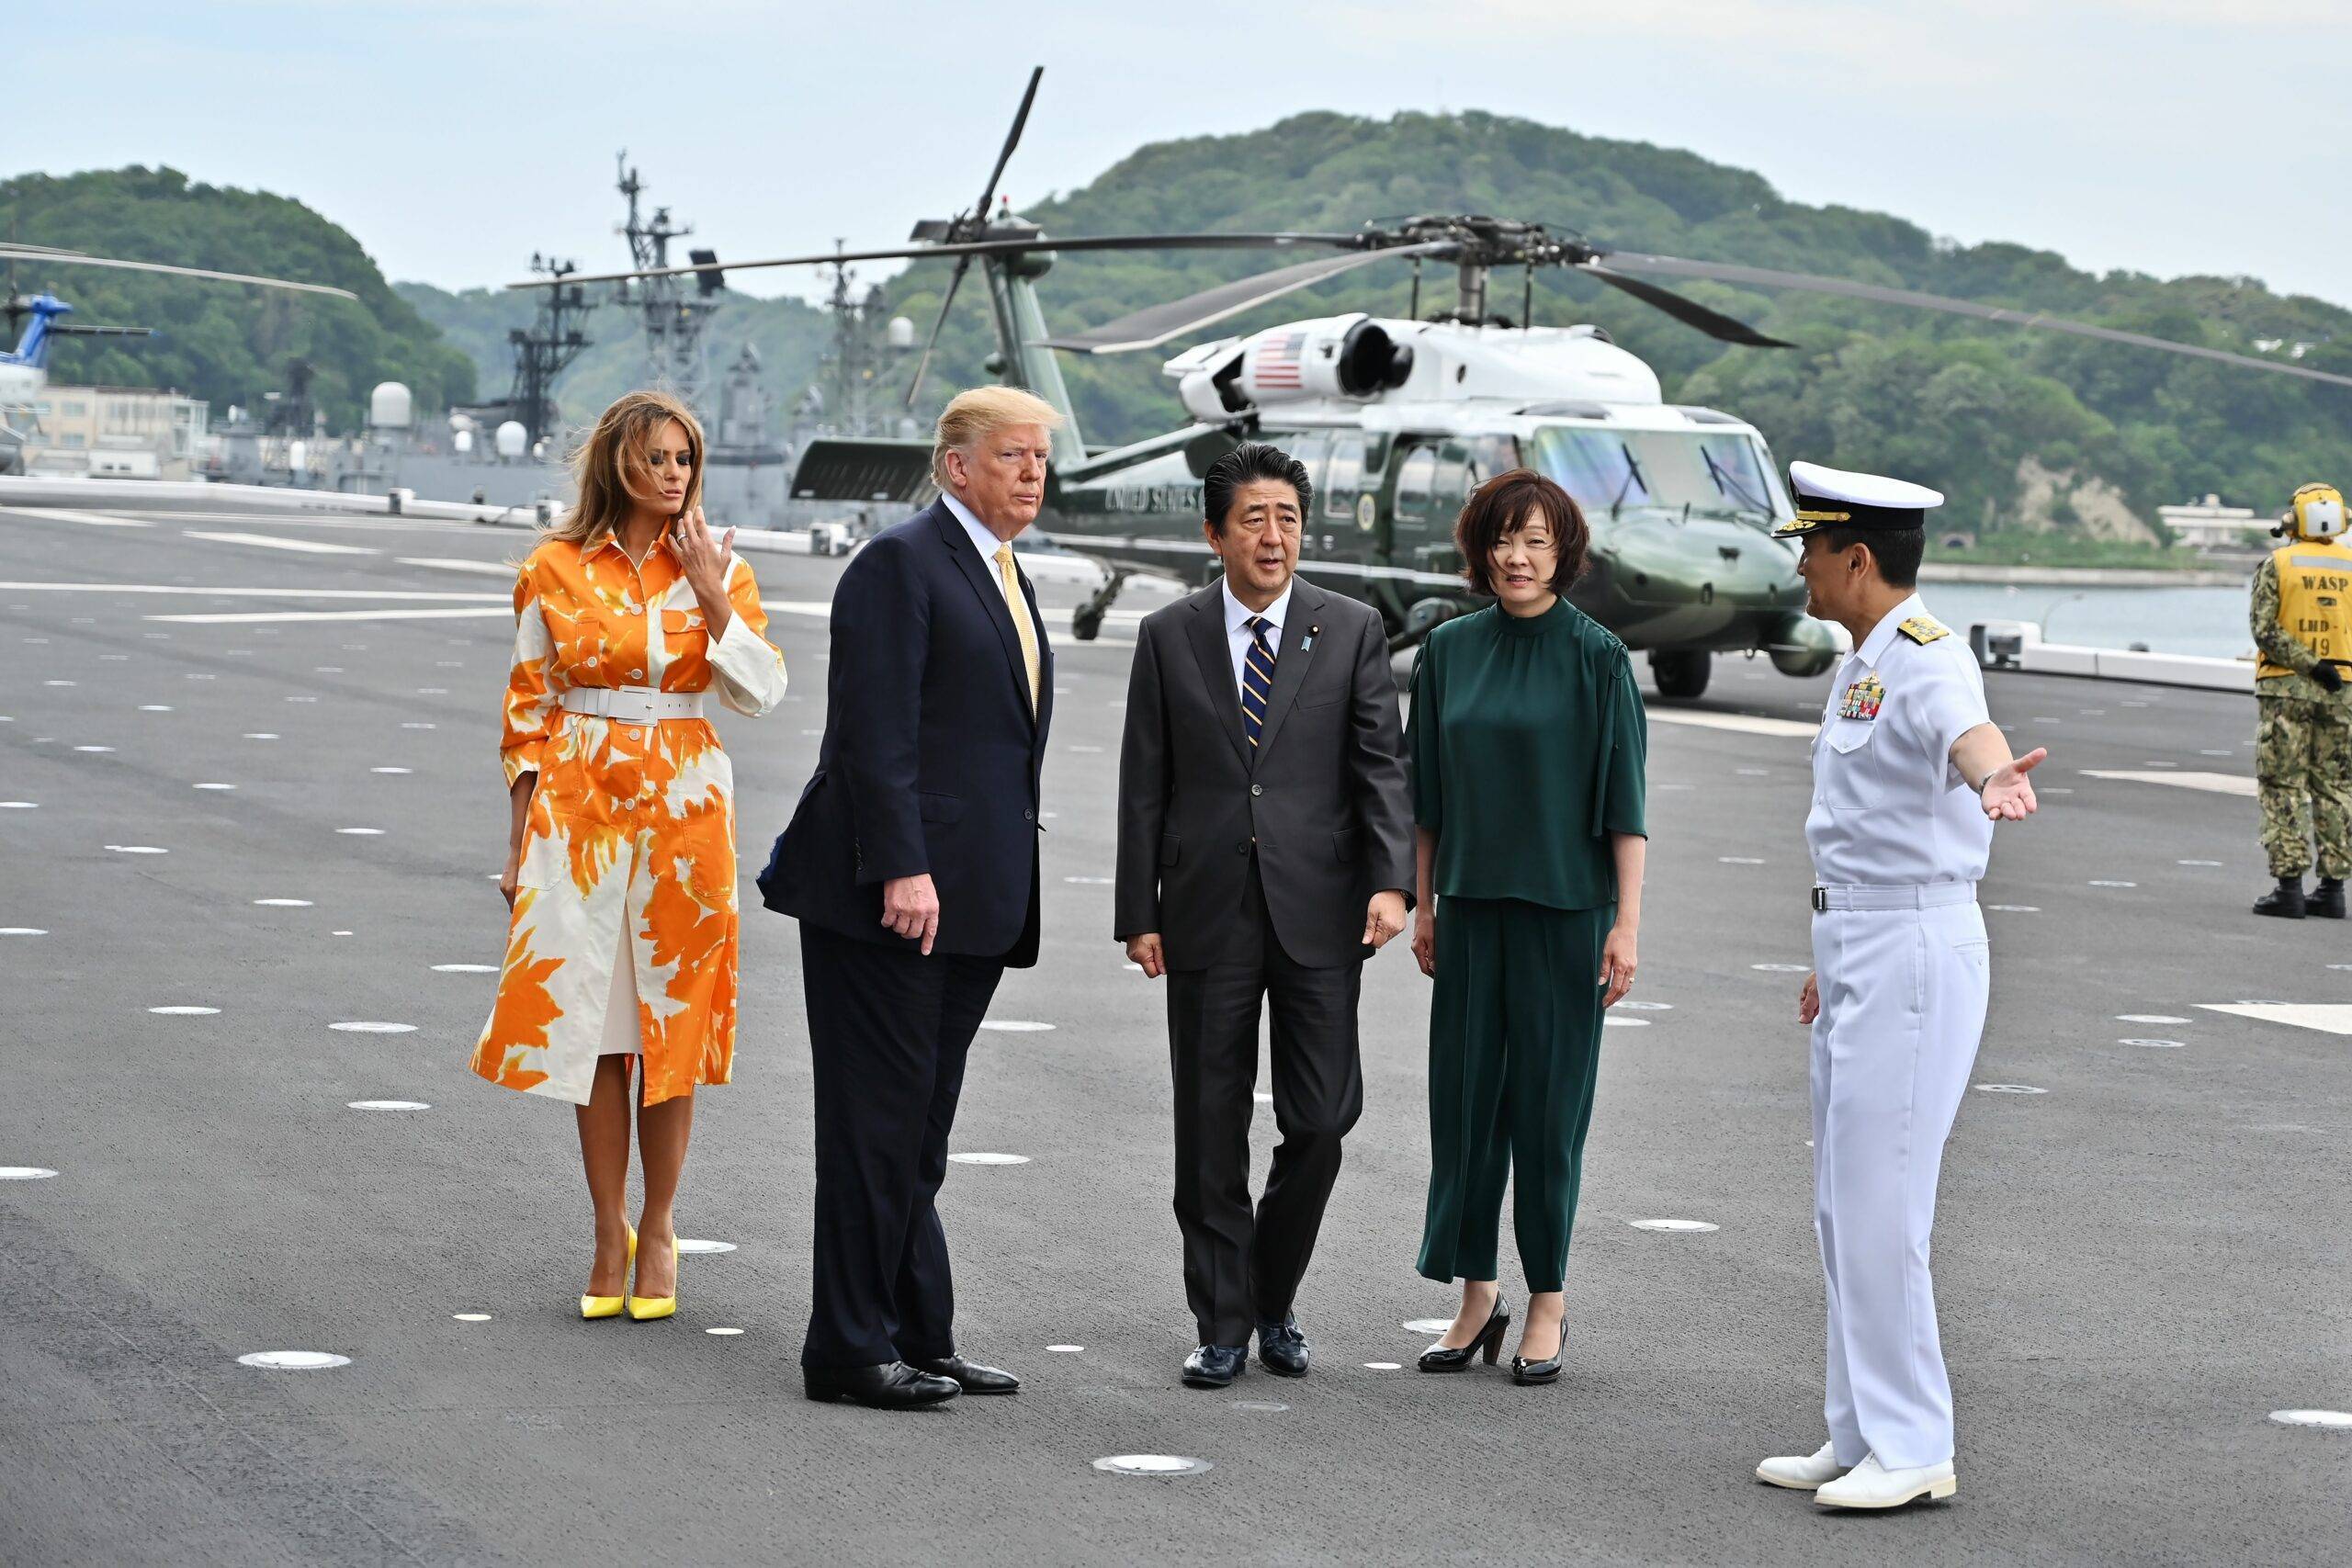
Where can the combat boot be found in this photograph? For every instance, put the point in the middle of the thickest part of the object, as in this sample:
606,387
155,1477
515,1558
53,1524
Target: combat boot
2327,900
2286,900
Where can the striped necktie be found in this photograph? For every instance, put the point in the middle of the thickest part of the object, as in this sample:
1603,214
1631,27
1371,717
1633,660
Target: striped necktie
1257,679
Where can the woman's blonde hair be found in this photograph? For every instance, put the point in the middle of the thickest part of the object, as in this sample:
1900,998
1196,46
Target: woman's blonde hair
972,416
613,459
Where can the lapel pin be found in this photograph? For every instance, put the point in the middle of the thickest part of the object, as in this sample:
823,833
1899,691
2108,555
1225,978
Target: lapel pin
1312,633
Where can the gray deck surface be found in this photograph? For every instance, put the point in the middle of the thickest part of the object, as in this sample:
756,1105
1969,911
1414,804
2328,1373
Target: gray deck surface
2135,1267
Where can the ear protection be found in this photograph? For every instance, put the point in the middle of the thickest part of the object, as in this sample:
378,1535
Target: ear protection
2316,512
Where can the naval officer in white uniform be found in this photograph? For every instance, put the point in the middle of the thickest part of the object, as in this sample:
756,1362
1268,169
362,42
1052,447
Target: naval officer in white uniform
1909,775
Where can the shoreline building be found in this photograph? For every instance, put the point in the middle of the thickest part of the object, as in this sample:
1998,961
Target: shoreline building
114,432
2209,526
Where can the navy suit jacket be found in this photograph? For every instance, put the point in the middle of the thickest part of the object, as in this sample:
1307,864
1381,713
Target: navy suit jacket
932,759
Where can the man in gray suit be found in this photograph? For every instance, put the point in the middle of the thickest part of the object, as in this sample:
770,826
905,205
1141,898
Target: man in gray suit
1265,852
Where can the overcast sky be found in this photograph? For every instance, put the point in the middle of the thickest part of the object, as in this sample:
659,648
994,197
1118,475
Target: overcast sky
2168,136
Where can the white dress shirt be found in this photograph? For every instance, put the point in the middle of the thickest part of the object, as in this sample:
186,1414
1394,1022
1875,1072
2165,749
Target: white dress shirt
1889,808
983,540
1236,628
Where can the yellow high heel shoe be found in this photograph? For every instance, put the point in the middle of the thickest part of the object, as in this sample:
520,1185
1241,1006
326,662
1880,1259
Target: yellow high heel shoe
646,1309
609,1306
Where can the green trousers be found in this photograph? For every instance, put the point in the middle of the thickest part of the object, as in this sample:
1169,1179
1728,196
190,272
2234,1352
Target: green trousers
1514,1049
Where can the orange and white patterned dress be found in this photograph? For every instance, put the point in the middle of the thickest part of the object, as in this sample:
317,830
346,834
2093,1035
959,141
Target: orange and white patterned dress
626,894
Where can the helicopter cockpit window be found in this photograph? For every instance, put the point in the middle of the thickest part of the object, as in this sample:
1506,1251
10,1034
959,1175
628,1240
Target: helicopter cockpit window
1344,478
1416,479
1714,473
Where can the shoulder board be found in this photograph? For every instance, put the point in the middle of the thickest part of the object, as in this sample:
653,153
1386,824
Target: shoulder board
1923,630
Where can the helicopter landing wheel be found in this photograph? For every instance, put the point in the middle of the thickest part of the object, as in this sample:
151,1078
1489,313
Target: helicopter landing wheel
1680,673
1085,627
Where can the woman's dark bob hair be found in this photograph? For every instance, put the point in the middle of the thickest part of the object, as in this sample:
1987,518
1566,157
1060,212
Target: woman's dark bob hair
1502,506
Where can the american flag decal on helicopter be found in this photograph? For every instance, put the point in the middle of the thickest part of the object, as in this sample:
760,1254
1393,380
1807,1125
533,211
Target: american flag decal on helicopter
1277,361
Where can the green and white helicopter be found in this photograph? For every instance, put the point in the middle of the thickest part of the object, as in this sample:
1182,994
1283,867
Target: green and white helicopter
1397,420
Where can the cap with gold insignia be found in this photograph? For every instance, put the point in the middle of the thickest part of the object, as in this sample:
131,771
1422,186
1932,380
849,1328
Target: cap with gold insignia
1840,498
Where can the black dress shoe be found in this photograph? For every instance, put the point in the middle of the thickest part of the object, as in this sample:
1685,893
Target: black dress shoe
1281,1349
1525,1373
1440,1358
1215,1366
2285,901
893,1386
972,1377
2326,901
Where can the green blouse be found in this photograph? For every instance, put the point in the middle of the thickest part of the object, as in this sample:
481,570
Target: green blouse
1527,742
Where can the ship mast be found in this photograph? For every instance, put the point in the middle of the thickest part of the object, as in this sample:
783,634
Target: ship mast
673,318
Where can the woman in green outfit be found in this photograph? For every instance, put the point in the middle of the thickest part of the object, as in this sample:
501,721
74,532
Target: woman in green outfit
1527,744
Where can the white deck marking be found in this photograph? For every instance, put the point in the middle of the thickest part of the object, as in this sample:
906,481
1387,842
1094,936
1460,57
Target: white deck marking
271,542
179,588
2336,1418
454,563
1671,1225
2211,784
293,1360
2332,1018
94,519
1152,1464
483,612
1744,723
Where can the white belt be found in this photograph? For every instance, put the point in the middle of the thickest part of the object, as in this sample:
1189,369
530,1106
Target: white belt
631,705
1927,896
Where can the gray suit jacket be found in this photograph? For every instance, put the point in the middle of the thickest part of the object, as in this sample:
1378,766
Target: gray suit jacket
1324,797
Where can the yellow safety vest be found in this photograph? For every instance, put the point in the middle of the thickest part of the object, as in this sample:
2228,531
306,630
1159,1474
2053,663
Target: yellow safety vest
2315,600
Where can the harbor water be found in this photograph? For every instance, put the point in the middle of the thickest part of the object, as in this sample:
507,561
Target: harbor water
2207,622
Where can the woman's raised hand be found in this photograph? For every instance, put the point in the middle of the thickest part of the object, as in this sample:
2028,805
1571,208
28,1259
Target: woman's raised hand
704,555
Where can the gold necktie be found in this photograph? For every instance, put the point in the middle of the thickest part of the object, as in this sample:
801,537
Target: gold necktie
1020,626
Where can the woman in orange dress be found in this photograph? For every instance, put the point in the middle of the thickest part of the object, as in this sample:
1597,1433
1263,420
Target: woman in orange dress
620,867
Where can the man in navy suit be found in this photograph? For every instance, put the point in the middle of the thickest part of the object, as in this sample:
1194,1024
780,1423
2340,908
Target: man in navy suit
911,865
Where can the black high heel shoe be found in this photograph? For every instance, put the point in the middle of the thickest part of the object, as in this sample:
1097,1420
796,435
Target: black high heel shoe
1441,1359
1526,1374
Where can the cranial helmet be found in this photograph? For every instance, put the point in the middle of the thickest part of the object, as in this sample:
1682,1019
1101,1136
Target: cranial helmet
2317,513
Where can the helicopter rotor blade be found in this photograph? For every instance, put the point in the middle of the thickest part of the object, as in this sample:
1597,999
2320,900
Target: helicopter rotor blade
75,258
914,386
1012,140
1006,247
1764,277
1154,324
1689,312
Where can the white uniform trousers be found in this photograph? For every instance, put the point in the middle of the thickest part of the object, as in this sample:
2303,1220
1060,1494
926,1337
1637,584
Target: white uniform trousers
1902,999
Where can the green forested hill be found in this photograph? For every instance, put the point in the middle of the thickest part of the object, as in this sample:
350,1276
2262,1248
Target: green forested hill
224,342
2017,426
2020,428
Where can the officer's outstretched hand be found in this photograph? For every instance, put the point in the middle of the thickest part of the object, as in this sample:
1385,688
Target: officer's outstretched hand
2007,794
1809,1000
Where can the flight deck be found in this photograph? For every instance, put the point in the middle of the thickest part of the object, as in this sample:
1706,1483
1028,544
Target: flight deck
251,815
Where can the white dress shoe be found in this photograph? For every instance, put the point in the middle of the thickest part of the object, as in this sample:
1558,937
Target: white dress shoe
1802,1473
1871,1485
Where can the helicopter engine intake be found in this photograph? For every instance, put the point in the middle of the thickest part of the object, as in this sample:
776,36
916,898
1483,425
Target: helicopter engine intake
1340,356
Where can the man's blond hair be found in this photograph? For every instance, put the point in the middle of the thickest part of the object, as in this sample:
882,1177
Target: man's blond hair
971,417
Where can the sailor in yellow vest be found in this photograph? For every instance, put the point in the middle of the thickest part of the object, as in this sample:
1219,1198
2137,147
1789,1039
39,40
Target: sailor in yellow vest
2302,756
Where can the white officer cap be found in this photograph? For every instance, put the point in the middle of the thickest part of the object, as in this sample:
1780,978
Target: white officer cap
1827,496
